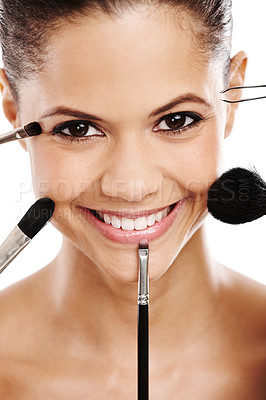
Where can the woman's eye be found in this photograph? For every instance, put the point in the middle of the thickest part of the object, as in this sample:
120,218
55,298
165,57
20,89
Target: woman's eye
177,122
77,129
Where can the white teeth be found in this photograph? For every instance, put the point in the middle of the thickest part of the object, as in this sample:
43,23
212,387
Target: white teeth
165,212
151,219
115,222
159,216
140,223
128,224
107,219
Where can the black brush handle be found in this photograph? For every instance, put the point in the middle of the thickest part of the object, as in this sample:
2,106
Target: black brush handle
143,352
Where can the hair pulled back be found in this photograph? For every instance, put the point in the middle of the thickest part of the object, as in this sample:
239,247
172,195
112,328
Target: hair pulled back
26,25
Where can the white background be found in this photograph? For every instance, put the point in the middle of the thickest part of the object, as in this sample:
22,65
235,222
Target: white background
239,247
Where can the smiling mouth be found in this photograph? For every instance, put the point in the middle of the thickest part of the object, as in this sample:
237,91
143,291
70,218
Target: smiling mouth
131,224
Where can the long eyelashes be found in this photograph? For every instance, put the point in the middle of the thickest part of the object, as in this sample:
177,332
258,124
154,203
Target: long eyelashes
77,129
82,131
178,123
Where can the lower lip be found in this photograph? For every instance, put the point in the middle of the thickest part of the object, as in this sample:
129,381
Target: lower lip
133,237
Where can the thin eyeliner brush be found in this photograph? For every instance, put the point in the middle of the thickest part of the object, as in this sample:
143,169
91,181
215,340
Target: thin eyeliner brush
143,322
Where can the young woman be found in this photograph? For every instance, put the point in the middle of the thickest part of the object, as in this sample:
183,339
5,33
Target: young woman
128,96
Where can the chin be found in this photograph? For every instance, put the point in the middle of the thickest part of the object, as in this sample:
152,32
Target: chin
126,268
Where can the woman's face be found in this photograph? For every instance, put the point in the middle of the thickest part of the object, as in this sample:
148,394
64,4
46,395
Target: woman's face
146,107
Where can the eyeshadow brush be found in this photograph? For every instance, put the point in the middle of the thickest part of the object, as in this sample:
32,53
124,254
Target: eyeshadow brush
143,321
238,196
32,129
32,222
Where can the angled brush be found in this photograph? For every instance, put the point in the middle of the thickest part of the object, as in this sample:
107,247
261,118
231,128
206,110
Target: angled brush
33,221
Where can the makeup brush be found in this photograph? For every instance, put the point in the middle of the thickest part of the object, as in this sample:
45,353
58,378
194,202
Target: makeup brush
238,196
32,129
33,221
143,322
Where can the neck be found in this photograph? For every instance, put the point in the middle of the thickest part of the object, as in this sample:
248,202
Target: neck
182,303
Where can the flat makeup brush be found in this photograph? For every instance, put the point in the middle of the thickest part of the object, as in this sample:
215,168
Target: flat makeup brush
33,221
238,196
143,322
32,129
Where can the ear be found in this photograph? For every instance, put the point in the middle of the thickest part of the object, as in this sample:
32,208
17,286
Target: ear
9,104
236,78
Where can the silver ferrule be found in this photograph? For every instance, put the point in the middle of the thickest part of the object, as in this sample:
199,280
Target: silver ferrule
16,134
143,289
12,246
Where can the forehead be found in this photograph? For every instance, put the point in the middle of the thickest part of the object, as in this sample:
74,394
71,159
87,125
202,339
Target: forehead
113,60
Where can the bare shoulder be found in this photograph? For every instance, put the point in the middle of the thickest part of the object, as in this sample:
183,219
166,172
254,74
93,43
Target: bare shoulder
21,313
17,314
14,302
241,306
245,305
244,291
246,299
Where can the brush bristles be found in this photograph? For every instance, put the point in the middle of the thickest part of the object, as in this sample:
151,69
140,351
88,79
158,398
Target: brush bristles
143,244
36,217
33,129
238,196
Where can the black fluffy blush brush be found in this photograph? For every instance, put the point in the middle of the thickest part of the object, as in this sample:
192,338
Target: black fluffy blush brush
238,196
33,221
143,321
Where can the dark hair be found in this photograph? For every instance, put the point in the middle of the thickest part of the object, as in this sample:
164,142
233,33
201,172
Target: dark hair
26,25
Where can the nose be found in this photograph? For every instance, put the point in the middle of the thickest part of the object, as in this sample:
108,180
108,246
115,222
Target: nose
131,172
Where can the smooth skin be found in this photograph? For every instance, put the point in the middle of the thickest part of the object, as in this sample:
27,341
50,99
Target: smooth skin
69,331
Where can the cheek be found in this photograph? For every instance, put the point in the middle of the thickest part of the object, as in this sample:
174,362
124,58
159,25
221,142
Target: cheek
60,173
196,164
204,163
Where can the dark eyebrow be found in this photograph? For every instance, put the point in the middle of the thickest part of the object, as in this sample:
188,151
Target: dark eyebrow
187,98
69,111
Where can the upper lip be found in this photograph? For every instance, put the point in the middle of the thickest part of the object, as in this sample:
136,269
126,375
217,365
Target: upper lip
129,213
